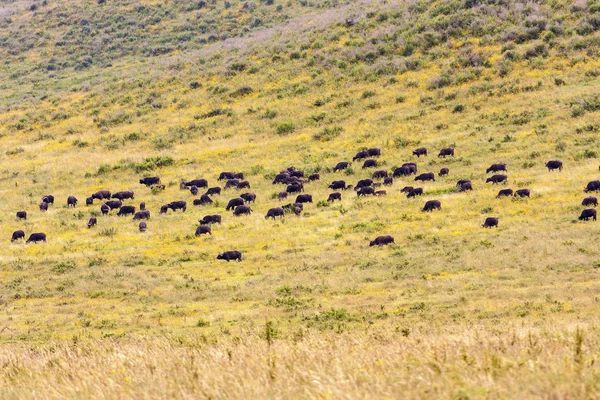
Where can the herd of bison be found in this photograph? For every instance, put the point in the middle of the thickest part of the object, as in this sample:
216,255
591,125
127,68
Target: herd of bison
294,181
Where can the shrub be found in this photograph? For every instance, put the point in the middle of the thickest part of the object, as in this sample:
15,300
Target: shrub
458,108
368,93
285,128
328,134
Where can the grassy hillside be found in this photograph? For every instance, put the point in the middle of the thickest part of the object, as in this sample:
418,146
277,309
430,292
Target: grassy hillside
97,95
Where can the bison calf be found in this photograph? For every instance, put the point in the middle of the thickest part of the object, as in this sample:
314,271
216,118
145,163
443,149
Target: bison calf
203,229
382,241
432,205
230,255
92,222
490,222
17,235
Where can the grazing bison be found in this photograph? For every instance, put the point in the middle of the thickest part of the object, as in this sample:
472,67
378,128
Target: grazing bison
17,235
382,241
143,226
203,200
429,176
226,175
89,201
369,164
233,203
389,181
200,183
297,173
374,152
360,155
295,188
380,193
142,206
366,191
101,195
248,197
587,214
522,193
401,171
304,198
203,229
210,219
337,185
505,192
194,190
22,214
421,151
341,166
406,189
496,168
554,164
411,166
128,194
444,172
364,183
243,185
281,178
282,195
465,187
593,186
142,215
590,201
275,212
71,201
449,151
112,204
48,199
497,179
40,237
242,210
490,222
104,209
177,205
379,174
461,182
92,222
43,206
150,180
126,210
163,209
230,255
432,205
314,177
213,190
334,196
415,192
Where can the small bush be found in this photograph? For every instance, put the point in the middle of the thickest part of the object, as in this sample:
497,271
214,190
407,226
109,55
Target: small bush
368,93
285,128
328,134
458,108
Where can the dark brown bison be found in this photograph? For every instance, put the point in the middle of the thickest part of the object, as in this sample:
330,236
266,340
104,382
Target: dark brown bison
590,201
92,222
465,187
142,206
126,210
389,181
128,194
275,212
360,155
314,177
230,255
406,189
374,152
382,241
48,199
497,179
22,214
248,197
43,206
490,222
243,185
432,205
363,183
444,172
104,209
401,171
593,186
213,190
194,190
341,166
203,229
369,164
554,164
163,209
587,214
334,196
522,193
414,192
150,180
505,192
297,173
281,178
304,198
225,175
337,185
71,201
282,195
177,205
199,183
142,215
142,226
242,210
366,191
449,151
17,235
89,201
411,166
461,182
429,176
295,188
203,200
112,204
379,174
40,237
210,219
231,183
233,203
421,151
101,195
496,168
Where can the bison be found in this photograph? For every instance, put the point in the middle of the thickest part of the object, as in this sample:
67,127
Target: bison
382,241
432,205
243,185
112,204
341,166
17,235
89,201
415,192
411,166
369,164
48,199
364,183
200,183
242,210
150,180
194,190
163,209
282,196
449,151
590,201
142,226
366,191
497,179
43,206
490,222
128,194
406,189
389,181
177,205
210,219
554,164
374,152
465,187
505,192
203,200
587,214
22,215
379,174
275,212
304,198
296,208
522,193
213,190
142,206
226,175
360,155
593,186
337,185
295,188
444,172
71,201
248,197
203,229
496,168
142,215
230,255
401,171
334,196
40,237
104,209
126,210
233,203
314,177
101,195
429,176
92,222
421,151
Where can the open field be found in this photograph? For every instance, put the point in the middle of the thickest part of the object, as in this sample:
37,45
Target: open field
450,310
